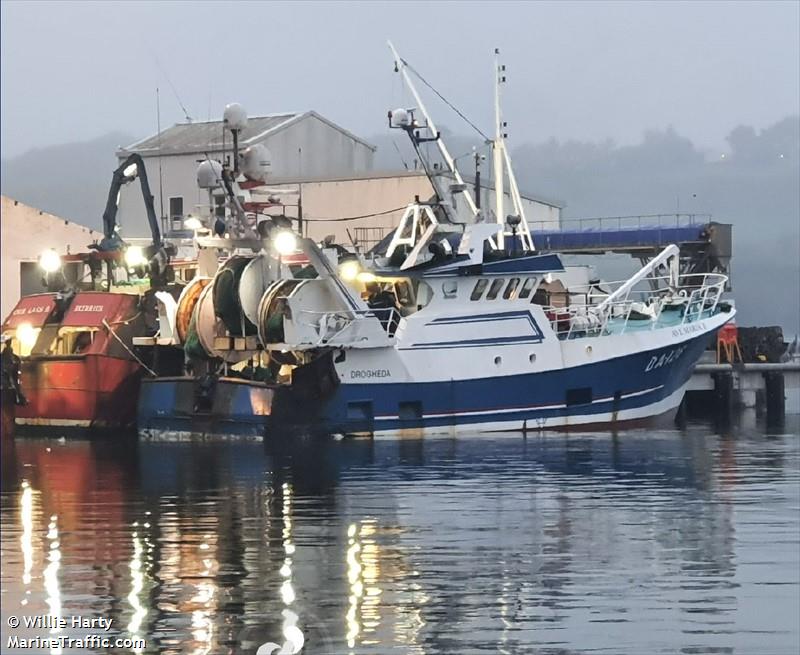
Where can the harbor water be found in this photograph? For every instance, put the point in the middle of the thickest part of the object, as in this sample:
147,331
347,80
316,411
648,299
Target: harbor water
675,541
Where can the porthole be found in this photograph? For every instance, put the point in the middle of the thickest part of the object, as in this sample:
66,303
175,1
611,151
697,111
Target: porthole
498,360
450,288
532,358
588,350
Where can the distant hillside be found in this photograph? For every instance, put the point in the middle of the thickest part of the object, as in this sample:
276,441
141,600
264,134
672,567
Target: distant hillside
69,180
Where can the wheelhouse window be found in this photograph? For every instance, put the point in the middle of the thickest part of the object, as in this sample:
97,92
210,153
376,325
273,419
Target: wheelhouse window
72,341
480,287
511,288
527,287
404,293
494,289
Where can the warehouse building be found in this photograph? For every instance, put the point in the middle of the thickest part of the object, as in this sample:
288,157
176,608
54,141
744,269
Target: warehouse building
303,145
363,209
316,164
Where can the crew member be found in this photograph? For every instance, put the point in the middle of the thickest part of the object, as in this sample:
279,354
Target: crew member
11,364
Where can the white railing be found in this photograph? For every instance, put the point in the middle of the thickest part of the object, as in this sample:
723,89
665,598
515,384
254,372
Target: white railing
616,223
697,296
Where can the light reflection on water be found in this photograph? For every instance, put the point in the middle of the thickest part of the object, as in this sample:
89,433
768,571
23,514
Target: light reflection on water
638,542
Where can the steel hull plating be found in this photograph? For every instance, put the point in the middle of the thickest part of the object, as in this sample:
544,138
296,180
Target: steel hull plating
170,408
83,391
632,388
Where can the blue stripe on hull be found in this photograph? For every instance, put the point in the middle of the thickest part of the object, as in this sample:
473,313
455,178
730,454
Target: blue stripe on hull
624,383
634,381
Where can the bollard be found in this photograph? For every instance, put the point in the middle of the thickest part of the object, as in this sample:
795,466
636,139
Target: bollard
776,398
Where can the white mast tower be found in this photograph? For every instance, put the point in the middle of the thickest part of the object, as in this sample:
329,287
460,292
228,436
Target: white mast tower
502,160
451,165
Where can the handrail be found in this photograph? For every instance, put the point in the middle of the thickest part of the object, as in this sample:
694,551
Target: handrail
592,319
626,222
668,255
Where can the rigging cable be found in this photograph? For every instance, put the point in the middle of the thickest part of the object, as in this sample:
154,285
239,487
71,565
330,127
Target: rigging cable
445,100
174,90
160,173
353,218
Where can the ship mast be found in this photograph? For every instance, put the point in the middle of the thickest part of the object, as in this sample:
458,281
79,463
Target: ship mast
502,163
497,153
451,165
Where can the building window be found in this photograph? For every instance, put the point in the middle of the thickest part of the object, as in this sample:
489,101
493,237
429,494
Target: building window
219,206
176,212
176,207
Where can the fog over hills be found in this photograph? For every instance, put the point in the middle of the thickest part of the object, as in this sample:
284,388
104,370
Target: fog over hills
69,180
754,186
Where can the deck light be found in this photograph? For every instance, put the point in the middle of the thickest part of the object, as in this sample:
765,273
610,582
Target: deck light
26,335
366,277
285,242
193,223
134,256
50,261
349,270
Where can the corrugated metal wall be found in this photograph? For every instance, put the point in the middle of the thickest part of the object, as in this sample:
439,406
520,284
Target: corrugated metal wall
309,148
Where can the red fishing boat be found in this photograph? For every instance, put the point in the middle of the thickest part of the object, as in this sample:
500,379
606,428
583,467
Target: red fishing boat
73,346
78,369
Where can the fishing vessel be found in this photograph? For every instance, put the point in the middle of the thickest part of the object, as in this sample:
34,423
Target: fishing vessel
73,343
454,323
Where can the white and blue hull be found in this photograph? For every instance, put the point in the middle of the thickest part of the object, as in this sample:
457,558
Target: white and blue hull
463,352
599,385
595,386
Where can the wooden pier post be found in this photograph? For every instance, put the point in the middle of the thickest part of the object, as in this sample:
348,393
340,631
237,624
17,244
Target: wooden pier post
774,384
723,394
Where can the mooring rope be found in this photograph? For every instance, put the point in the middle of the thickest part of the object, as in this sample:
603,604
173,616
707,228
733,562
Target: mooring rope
130,352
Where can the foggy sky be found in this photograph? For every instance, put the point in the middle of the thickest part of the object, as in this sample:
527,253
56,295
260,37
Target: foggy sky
590,71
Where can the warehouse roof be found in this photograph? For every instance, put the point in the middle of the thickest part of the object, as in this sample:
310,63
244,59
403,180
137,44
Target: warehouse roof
208,135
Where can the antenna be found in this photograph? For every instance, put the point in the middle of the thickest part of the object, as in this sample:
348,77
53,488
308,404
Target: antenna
160,172
497,153
174,90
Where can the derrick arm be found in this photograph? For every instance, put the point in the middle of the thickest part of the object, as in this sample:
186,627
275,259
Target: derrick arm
118,179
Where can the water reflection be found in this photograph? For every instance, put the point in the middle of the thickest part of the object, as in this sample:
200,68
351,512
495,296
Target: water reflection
137,585
629,543
26,540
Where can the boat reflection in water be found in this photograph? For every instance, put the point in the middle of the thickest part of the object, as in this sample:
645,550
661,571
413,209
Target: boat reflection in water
412,546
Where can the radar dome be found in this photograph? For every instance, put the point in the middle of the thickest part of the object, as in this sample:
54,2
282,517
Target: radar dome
209,174
257,162
401,118
234,116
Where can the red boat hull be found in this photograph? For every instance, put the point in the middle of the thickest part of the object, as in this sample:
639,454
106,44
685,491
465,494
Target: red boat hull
86,391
